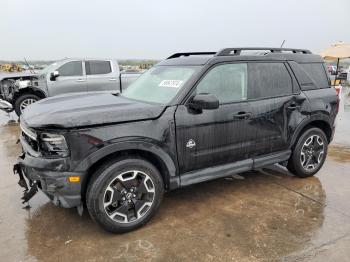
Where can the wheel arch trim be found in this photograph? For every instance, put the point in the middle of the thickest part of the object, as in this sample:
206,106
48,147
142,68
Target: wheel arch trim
135,145
309,122
30,91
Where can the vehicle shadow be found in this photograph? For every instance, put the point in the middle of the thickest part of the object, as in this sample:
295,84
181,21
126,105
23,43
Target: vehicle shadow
262,215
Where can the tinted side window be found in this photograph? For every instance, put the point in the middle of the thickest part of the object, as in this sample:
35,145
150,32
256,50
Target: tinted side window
227,82
304,80
317,73
95,67
73,68
269,80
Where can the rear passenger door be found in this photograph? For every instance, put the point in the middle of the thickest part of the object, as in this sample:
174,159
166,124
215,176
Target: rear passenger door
274,105
100,75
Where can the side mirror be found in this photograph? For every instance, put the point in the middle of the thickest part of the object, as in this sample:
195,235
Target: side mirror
204,101
54,75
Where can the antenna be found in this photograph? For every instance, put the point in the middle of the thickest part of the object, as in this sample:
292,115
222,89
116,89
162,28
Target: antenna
26,62
282,43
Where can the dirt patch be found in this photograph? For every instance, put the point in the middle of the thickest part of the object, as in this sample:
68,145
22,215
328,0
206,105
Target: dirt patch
339,153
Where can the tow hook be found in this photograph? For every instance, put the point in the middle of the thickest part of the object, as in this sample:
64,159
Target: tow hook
29,190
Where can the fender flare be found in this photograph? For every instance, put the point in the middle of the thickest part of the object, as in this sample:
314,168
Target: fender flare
145,146
30,90
317,117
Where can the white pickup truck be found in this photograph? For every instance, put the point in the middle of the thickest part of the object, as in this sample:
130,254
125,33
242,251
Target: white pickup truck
17,91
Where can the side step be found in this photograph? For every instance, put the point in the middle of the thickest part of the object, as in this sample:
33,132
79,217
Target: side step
215,172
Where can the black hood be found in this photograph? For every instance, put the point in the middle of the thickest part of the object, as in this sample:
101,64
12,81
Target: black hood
87,109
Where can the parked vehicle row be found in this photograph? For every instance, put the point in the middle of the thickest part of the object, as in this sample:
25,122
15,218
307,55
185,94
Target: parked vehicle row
191,118
341,72
17,91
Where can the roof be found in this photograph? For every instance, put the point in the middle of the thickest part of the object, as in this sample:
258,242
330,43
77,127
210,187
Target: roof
85,58
243,54
187,60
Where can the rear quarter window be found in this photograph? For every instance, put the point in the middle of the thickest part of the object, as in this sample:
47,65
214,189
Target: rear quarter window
311,76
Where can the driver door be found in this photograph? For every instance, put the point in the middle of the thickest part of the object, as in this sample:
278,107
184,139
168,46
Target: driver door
220,136
71,78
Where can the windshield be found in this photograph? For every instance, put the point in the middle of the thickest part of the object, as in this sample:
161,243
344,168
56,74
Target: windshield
49,68
160,84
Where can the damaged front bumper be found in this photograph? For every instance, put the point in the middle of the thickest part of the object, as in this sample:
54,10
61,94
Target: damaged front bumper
5,106
33,175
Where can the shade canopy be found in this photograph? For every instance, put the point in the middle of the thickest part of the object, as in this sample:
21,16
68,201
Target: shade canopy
336,51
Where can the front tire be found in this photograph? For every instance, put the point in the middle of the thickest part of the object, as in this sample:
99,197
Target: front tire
23,101
309,153
124,194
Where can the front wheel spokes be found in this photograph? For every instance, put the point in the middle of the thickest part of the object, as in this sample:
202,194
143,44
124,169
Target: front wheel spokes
121,213
141,206
145,186
144,195
128,179
112,195
113,204
129,196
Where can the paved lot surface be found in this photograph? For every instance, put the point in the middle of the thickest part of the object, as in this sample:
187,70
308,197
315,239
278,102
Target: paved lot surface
265,215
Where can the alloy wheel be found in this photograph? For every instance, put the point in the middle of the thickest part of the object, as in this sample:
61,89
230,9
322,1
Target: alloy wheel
26,103
129,196
312,152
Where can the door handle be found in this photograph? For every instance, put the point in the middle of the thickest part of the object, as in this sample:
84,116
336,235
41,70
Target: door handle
112,79
80,80
242,115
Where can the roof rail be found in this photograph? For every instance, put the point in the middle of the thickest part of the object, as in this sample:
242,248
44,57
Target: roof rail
237,51
190,53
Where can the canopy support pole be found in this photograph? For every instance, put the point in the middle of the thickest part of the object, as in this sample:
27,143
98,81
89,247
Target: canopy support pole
336,73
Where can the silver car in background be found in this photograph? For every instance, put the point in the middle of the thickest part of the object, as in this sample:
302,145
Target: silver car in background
17,91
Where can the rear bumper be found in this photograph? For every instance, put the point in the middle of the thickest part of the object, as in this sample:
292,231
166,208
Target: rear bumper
5,106
54,184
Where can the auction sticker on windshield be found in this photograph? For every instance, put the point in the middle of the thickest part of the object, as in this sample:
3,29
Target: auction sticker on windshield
171,83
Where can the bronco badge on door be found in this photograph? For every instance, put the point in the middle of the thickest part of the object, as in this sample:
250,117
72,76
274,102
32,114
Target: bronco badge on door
190,143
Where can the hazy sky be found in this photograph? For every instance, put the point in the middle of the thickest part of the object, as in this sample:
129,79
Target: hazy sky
50,29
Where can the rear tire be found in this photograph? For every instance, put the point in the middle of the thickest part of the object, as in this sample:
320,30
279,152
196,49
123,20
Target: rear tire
309,153
124,194
23,101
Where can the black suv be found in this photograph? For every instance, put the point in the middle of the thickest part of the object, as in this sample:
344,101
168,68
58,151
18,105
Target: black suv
191,118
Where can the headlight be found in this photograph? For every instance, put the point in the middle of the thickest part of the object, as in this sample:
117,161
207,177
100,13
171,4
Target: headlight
53,145
23,83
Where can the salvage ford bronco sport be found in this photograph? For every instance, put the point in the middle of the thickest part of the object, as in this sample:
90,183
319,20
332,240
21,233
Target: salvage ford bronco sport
191,118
